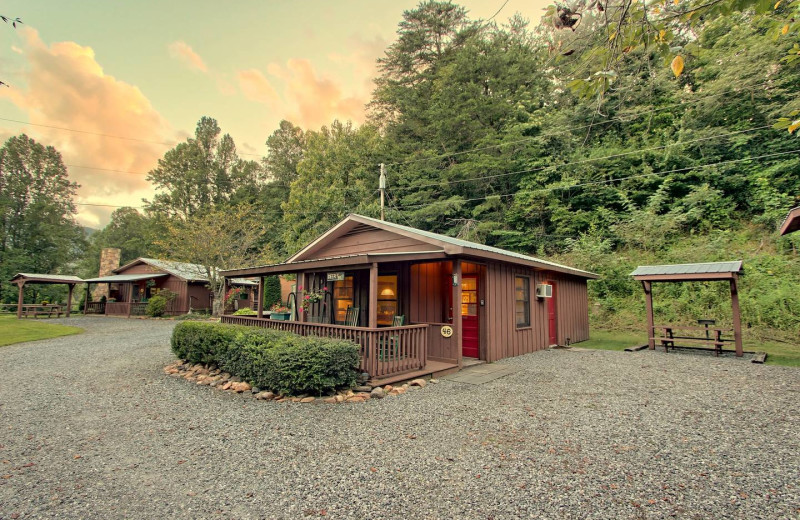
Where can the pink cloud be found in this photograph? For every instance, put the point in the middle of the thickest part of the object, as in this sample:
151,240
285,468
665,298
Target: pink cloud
67,88
256,87
183,52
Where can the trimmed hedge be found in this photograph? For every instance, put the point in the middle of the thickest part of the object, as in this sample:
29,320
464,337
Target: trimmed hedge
274,360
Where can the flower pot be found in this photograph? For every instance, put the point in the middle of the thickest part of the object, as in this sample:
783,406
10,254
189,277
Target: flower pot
281,316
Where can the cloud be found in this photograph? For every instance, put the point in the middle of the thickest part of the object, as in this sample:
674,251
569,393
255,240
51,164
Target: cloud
311,99
181,51
66,87
256,87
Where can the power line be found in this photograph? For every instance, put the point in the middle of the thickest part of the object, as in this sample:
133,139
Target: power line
570,129
582,161
498,11
100,134
596,183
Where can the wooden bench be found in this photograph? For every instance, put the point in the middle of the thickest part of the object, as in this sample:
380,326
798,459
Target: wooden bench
668,338
42,310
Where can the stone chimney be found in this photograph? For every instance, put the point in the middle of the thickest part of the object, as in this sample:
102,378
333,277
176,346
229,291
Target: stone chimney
109,260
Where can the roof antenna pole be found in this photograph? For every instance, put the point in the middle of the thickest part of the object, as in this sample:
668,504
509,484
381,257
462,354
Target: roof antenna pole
382,187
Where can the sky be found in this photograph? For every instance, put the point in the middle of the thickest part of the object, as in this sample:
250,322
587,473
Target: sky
145,72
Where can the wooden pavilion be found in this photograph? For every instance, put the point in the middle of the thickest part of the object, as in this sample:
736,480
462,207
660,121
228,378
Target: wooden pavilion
420,303
21,279
705,272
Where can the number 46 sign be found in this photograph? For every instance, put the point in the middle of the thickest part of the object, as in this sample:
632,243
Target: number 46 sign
447,331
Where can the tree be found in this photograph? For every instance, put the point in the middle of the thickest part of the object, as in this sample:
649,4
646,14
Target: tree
38,232
337,176
272,291
129,231
217,239
199,174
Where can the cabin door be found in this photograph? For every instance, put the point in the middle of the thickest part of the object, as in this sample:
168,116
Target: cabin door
552,316
470,328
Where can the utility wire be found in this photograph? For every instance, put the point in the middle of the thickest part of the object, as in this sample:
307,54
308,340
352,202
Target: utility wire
596,183
582,161
562,130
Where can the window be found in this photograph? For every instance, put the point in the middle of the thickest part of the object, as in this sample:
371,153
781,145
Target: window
522,291
342,298
387,299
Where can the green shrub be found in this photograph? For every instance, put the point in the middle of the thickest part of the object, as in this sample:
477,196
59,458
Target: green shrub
275,360
272,291
157,304
245,311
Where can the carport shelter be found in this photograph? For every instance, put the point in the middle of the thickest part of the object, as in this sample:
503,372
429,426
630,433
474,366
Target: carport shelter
28,278
705,272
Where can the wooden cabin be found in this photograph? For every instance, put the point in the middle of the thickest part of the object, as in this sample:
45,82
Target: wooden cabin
420,302
131,286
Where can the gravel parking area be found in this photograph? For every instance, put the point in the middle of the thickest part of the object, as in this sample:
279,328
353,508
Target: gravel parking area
93,428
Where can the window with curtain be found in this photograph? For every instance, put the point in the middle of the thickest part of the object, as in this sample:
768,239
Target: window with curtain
522,286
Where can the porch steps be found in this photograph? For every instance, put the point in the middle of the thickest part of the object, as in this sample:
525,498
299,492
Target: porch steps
433,369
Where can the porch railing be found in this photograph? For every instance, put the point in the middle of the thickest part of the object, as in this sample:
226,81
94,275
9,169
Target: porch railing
126,308
384,351
96,308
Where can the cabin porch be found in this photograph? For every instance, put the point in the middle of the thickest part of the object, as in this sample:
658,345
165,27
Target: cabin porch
388,354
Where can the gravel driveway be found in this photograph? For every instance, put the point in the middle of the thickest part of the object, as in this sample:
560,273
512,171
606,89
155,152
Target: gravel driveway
93,428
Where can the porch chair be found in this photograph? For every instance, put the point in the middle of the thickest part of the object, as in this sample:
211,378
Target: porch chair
389,345
351,317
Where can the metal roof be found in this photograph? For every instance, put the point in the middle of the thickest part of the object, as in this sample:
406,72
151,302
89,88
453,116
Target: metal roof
242,281
120,278
47,278
699,269
187,271
792,221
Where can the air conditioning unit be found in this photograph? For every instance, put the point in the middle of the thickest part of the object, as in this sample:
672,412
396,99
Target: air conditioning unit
544,290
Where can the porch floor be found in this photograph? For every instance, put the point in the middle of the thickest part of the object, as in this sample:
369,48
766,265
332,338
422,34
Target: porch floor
432,368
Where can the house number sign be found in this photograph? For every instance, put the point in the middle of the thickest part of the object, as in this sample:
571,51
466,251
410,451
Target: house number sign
447,331
336,277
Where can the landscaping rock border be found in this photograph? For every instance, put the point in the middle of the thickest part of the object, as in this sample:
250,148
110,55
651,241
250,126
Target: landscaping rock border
213,377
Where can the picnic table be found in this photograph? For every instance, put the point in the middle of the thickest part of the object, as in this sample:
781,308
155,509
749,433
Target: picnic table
42,310
671,336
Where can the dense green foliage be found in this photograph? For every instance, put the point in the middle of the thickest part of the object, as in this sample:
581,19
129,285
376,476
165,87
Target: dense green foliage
38,233
245,311
157,304
275,360
272,291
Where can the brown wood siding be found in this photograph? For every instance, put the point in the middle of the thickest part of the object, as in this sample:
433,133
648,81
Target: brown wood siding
427,302
376,241
572,306
504,339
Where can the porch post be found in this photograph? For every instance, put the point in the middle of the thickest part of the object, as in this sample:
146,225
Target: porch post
373,296
224,294
86,301
260,301
737,320
129,297
457,321
20,298
648,301
69,298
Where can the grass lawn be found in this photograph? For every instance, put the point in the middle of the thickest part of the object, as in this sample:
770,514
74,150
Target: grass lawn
13,330
777,353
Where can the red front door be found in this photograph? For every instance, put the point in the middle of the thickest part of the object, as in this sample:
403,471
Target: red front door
552,317
469,317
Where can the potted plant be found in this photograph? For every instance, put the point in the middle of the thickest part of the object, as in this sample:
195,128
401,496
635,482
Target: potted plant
279,312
